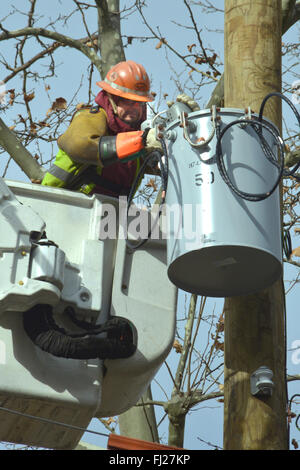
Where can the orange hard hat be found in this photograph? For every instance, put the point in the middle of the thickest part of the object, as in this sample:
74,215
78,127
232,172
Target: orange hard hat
128,80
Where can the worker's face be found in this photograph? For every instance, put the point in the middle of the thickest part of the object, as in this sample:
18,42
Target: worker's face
129,111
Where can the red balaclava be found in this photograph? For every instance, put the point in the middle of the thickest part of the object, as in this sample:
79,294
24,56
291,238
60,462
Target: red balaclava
120,173
116,124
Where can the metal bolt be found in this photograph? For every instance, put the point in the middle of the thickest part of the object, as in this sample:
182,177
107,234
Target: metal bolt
84,296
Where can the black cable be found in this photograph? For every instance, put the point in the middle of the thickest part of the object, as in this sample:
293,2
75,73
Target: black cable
294,109
290,410
287,243
164,169
257,125
296,422
51,421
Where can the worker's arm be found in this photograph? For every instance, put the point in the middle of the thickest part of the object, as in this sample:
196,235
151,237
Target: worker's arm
81,139
85,141
127,146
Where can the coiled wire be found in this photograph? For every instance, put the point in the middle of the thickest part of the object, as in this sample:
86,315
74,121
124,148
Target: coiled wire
297,115
258,125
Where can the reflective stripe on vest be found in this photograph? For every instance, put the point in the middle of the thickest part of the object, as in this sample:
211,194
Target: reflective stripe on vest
65,173
59,173
62,171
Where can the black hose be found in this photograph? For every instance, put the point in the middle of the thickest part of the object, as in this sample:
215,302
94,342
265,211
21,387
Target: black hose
121,340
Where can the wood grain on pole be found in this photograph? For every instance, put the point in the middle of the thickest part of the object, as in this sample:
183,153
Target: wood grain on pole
254,324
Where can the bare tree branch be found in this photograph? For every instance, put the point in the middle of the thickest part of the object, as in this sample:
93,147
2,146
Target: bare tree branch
187,342
167,44
27,64
110,40
64,40
291,158
19,153
198,397
291,378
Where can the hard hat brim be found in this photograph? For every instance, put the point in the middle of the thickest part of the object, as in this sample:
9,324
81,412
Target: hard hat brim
125,93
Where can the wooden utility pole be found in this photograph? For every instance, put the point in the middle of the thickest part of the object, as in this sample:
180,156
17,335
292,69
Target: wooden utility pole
254,324
139,422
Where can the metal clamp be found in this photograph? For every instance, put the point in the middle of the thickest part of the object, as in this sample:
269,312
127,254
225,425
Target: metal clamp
185,125
247,117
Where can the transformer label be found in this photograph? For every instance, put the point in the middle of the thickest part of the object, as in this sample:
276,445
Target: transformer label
204,178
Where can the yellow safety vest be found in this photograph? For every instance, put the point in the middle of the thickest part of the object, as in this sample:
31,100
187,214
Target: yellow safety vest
65,173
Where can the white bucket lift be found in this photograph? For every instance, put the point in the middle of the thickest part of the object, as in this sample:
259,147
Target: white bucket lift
98,278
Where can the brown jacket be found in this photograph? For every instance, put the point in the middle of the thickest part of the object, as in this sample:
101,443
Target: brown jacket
81,140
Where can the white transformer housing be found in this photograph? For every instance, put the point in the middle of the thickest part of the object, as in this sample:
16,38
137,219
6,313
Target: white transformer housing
220,244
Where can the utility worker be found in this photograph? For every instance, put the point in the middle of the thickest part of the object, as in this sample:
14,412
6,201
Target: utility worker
101,149
100,153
